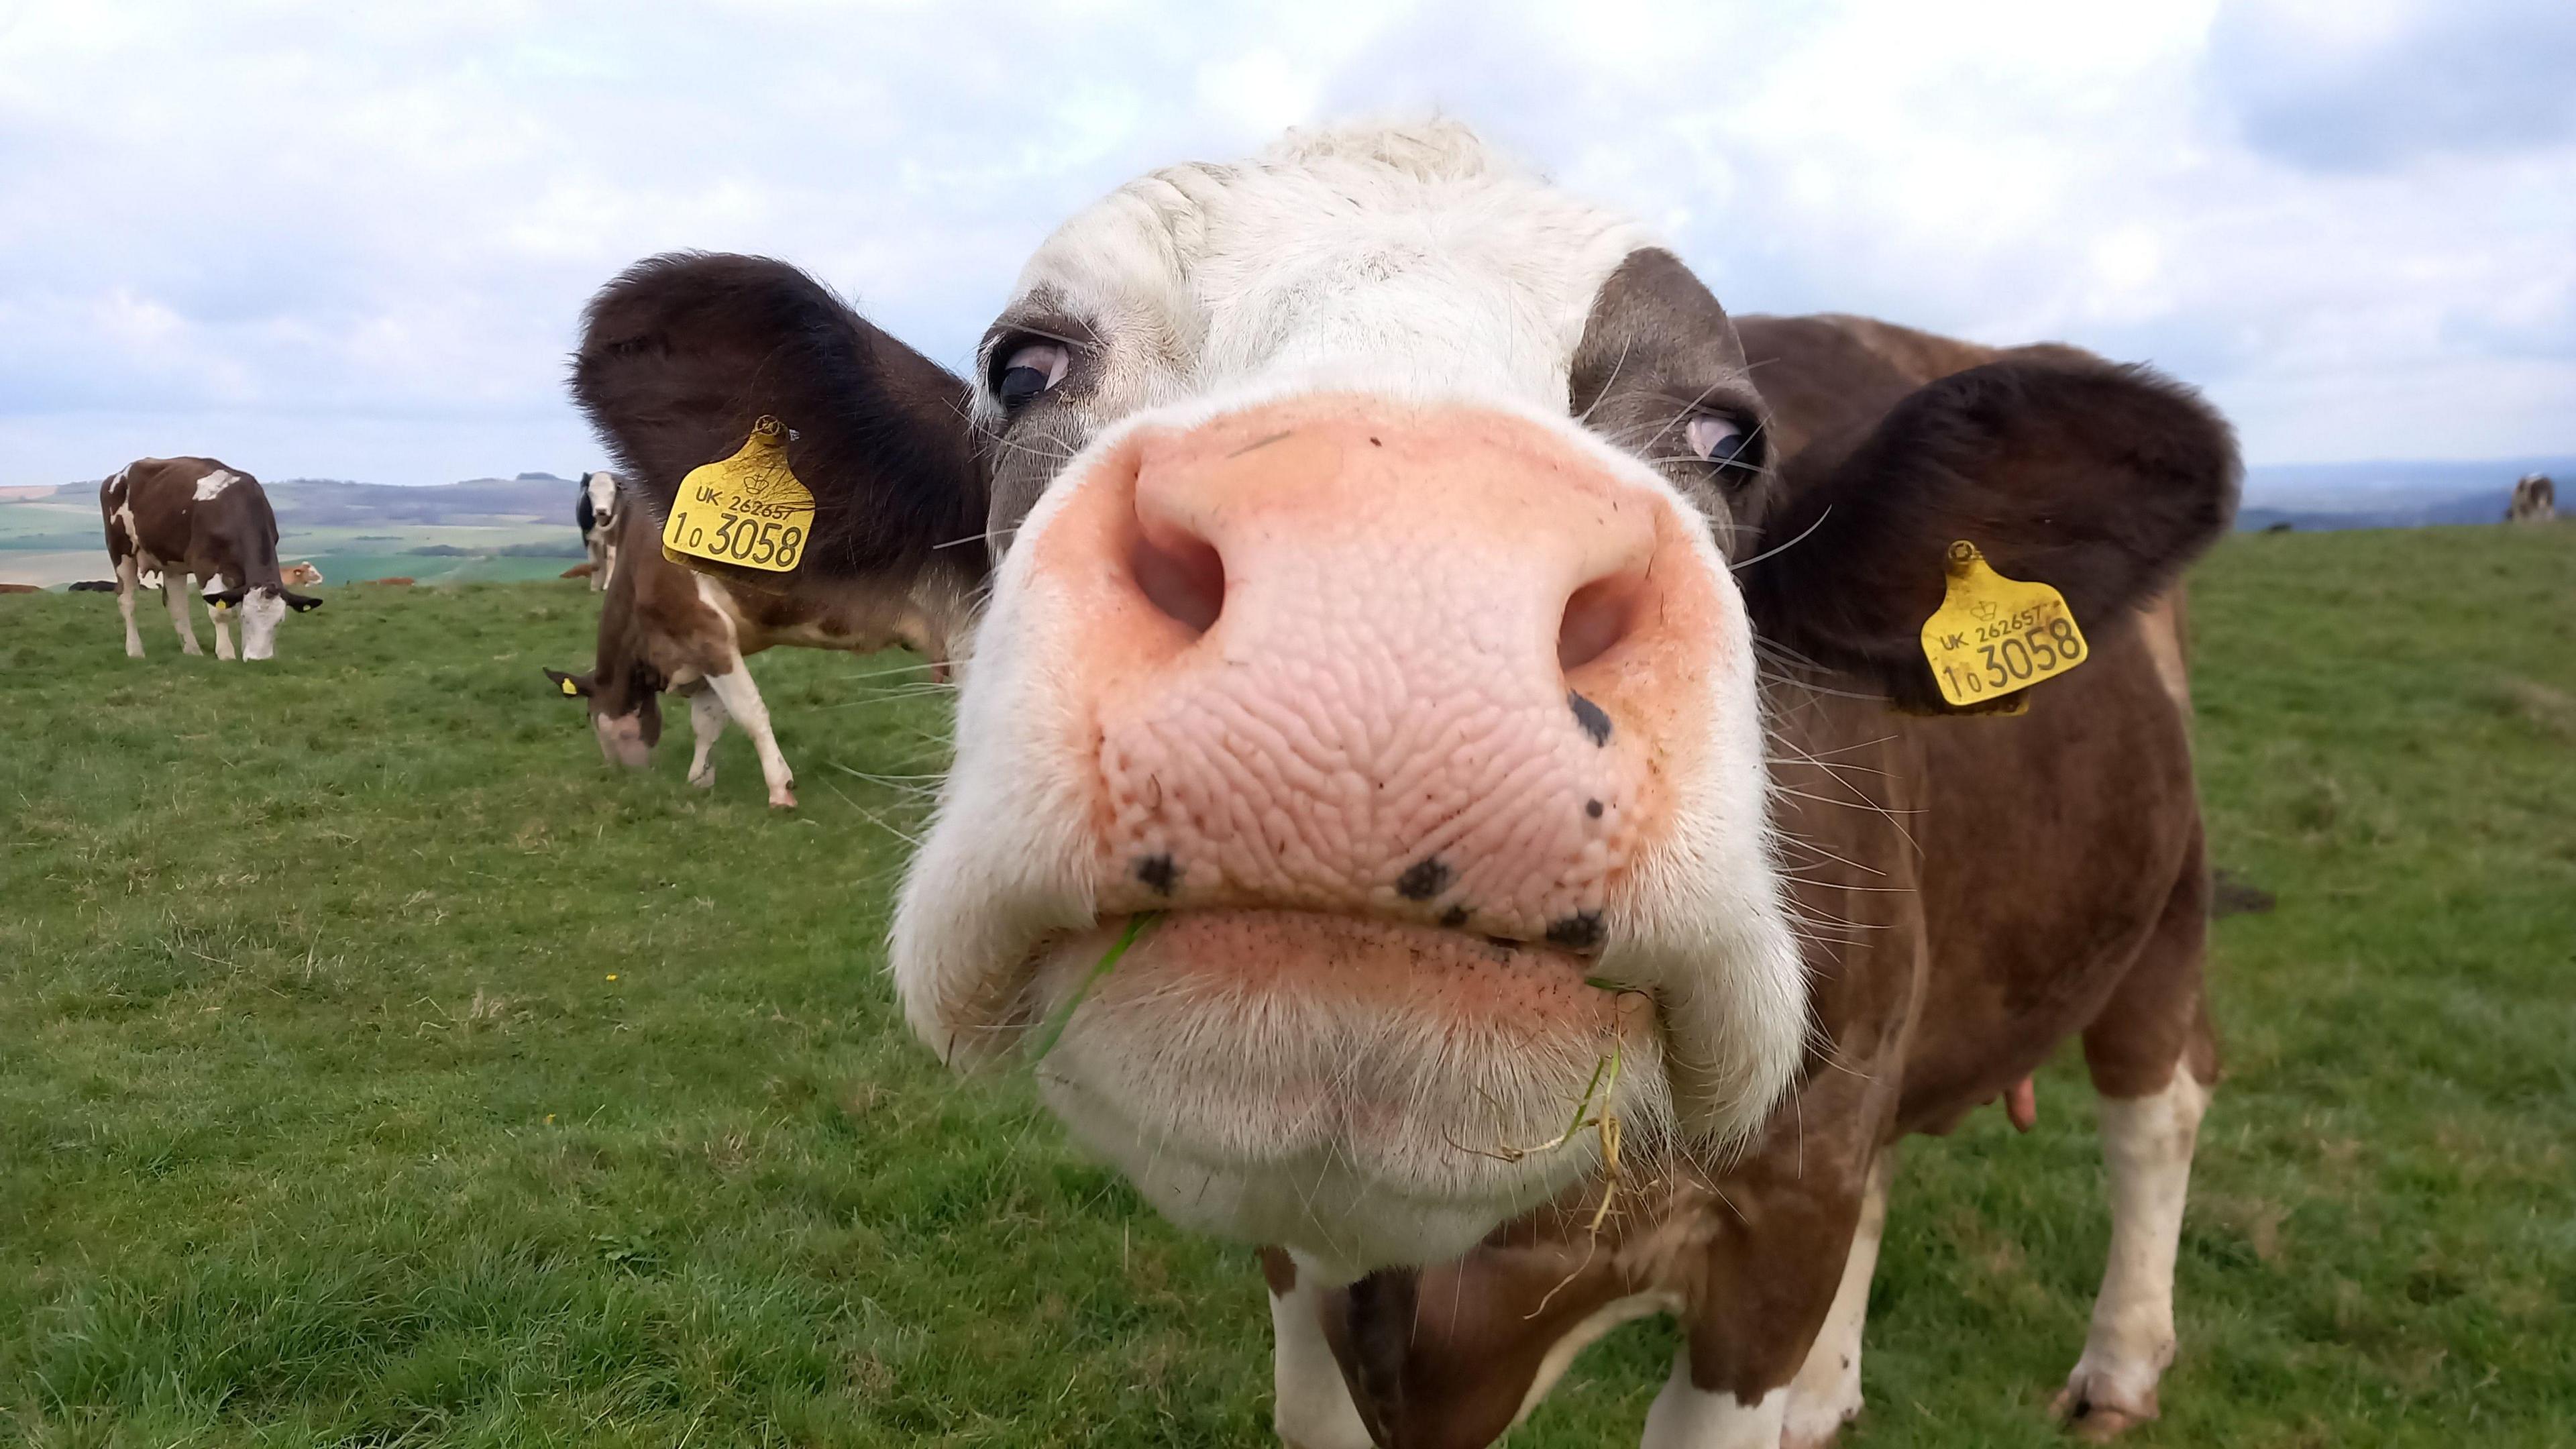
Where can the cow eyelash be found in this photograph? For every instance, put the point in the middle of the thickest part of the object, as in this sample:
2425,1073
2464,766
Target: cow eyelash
1725,441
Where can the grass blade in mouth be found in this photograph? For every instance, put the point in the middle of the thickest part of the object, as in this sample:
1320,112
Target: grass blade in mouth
1062,1016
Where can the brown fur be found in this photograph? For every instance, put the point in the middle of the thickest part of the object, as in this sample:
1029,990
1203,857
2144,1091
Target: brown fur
20,589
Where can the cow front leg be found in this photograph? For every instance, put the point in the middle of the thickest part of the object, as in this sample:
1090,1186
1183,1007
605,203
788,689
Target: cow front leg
174,595
2147,1144
223,632
706,723
1313,1408
128,583
1826,1394
741,700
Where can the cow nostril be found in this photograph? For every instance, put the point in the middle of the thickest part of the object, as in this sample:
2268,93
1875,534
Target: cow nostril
1597,617
1181,574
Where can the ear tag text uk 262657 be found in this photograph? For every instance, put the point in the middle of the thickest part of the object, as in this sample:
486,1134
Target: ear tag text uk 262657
1993,636
748,510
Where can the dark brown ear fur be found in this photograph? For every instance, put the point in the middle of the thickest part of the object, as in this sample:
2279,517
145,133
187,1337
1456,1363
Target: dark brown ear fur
2101,481
683,353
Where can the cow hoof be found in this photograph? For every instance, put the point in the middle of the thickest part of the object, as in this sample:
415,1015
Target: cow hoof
2096,1408
782,798
705,780
132,653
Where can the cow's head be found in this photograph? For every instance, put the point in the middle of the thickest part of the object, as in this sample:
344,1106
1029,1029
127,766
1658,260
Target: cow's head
625,704
261,606
1364,614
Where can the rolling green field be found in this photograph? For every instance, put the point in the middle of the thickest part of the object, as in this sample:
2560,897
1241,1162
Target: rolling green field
378,1069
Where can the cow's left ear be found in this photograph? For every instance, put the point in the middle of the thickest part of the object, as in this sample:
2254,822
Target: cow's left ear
300,603
572,685
226,598
2098,480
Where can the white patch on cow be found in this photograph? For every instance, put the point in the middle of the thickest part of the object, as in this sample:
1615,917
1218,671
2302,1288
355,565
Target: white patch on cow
212,486
1826,1393
260,611
1408,264
741,700
1313,1408
601,540
1687,1417
174,593
706,724
2147,1144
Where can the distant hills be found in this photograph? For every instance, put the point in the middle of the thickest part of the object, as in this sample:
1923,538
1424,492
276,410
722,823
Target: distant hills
2389,495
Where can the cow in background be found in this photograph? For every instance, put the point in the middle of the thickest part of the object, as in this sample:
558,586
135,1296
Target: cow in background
2535,500
664,629
298,575
177,518
596,512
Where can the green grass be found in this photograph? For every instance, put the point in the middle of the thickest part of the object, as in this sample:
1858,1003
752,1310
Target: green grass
323,1122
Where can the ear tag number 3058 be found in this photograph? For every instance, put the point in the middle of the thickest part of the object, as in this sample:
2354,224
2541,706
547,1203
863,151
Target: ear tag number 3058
1993,636
748,510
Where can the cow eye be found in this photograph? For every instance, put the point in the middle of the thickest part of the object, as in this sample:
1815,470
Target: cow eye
1027,370
1719,439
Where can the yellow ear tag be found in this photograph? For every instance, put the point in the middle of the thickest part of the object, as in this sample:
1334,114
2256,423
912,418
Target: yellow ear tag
568,689
1993,635
748,510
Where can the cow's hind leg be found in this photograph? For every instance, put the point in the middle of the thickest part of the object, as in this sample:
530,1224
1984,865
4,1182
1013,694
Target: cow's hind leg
2153,1059
1826,1393
129,576
742,701
174,594
706,724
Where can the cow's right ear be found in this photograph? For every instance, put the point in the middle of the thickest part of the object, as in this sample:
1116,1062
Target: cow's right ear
572,685
683,353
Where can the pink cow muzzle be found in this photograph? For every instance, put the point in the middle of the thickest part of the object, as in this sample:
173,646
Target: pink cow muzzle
1336,655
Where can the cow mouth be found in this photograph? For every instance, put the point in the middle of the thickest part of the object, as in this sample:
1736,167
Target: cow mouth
1369,1091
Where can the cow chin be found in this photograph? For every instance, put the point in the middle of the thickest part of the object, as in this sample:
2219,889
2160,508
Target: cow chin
1367,1093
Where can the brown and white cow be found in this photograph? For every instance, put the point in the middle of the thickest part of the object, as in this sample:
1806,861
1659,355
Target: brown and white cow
2535,500
193,517
663,627
1444,680
595,511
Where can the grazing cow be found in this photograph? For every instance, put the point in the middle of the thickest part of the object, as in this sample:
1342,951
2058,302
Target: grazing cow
579,571
596,512
173,518
1448,778
2535,500
664,628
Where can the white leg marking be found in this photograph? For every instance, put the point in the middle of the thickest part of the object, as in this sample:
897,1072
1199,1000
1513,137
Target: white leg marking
742,701
174,592
1826,1393
1685,1417
223,636
598,563
128,580
2147,1144
1314,1408
706,722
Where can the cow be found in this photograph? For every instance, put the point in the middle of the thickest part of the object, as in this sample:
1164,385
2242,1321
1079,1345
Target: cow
94,586
1449,780
171,519
297,575
596,511
666,629
2535,500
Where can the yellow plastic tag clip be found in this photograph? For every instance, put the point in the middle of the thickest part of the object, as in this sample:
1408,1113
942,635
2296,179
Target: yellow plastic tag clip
1994,636
749,510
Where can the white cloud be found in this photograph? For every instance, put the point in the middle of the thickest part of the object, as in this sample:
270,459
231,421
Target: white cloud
354,241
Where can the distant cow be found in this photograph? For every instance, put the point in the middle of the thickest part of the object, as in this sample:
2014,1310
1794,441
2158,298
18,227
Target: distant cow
2535,500
398,581
596,512
664,628
21,588
94,586
183,517
297,574
580,571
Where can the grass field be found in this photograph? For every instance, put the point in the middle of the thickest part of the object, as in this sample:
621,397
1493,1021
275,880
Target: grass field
376,1069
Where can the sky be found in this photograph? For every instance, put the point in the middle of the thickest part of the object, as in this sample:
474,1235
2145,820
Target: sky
353,241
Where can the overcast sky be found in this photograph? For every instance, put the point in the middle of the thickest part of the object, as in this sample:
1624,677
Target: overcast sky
353,240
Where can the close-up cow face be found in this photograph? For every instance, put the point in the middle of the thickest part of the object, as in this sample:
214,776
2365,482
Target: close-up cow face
1361,741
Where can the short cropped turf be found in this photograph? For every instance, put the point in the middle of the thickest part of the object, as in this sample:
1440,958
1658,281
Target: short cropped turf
377,1068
